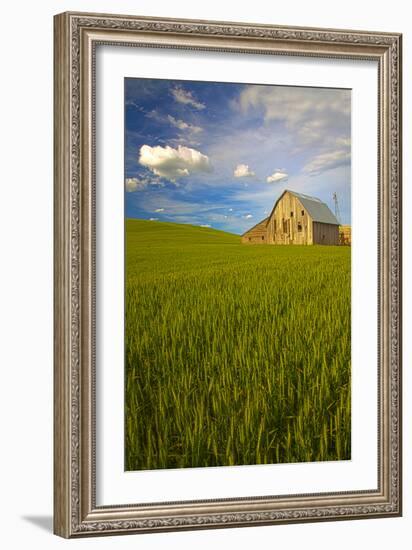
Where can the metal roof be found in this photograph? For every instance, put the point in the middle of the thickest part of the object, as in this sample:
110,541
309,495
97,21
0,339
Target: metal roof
317,210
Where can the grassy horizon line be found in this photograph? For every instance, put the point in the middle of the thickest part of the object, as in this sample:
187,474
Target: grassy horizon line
182,225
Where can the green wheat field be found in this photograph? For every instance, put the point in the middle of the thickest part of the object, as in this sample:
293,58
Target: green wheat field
234,354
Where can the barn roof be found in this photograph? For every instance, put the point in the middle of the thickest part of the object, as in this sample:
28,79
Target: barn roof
317,210
256,224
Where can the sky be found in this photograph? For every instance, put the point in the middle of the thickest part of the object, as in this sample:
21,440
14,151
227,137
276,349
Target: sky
220,154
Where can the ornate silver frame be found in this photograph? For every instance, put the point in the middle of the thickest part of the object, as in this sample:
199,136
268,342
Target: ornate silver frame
75,38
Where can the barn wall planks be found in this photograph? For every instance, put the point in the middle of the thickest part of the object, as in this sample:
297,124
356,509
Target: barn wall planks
289,223
325,233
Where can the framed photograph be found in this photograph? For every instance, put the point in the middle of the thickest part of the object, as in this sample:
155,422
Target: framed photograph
227,274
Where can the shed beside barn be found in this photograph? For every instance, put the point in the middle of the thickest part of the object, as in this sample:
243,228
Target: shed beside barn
256,234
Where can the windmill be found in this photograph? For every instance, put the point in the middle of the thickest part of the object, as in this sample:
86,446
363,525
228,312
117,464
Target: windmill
337,210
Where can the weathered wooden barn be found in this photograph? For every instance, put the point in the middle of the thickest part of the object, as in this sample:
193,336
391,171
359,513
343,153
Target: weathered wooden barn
296,219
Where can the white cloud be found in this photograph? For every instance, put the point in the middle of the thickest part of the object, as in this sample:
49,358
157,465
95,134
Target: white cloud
277,176
312,114
153,219
159,209
344,142
182,125
186,97
155,115
137,184
183,140
243,171
135,105
131,184
327,161
134,184
172,164
176,122
248,216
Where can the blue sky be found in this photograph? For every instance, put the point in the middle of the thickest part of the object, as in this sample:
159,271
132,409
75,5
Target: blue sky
220,154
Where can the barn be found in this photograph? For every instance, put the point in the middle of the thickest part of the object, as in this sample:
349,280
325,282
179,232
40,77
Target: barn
296,219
